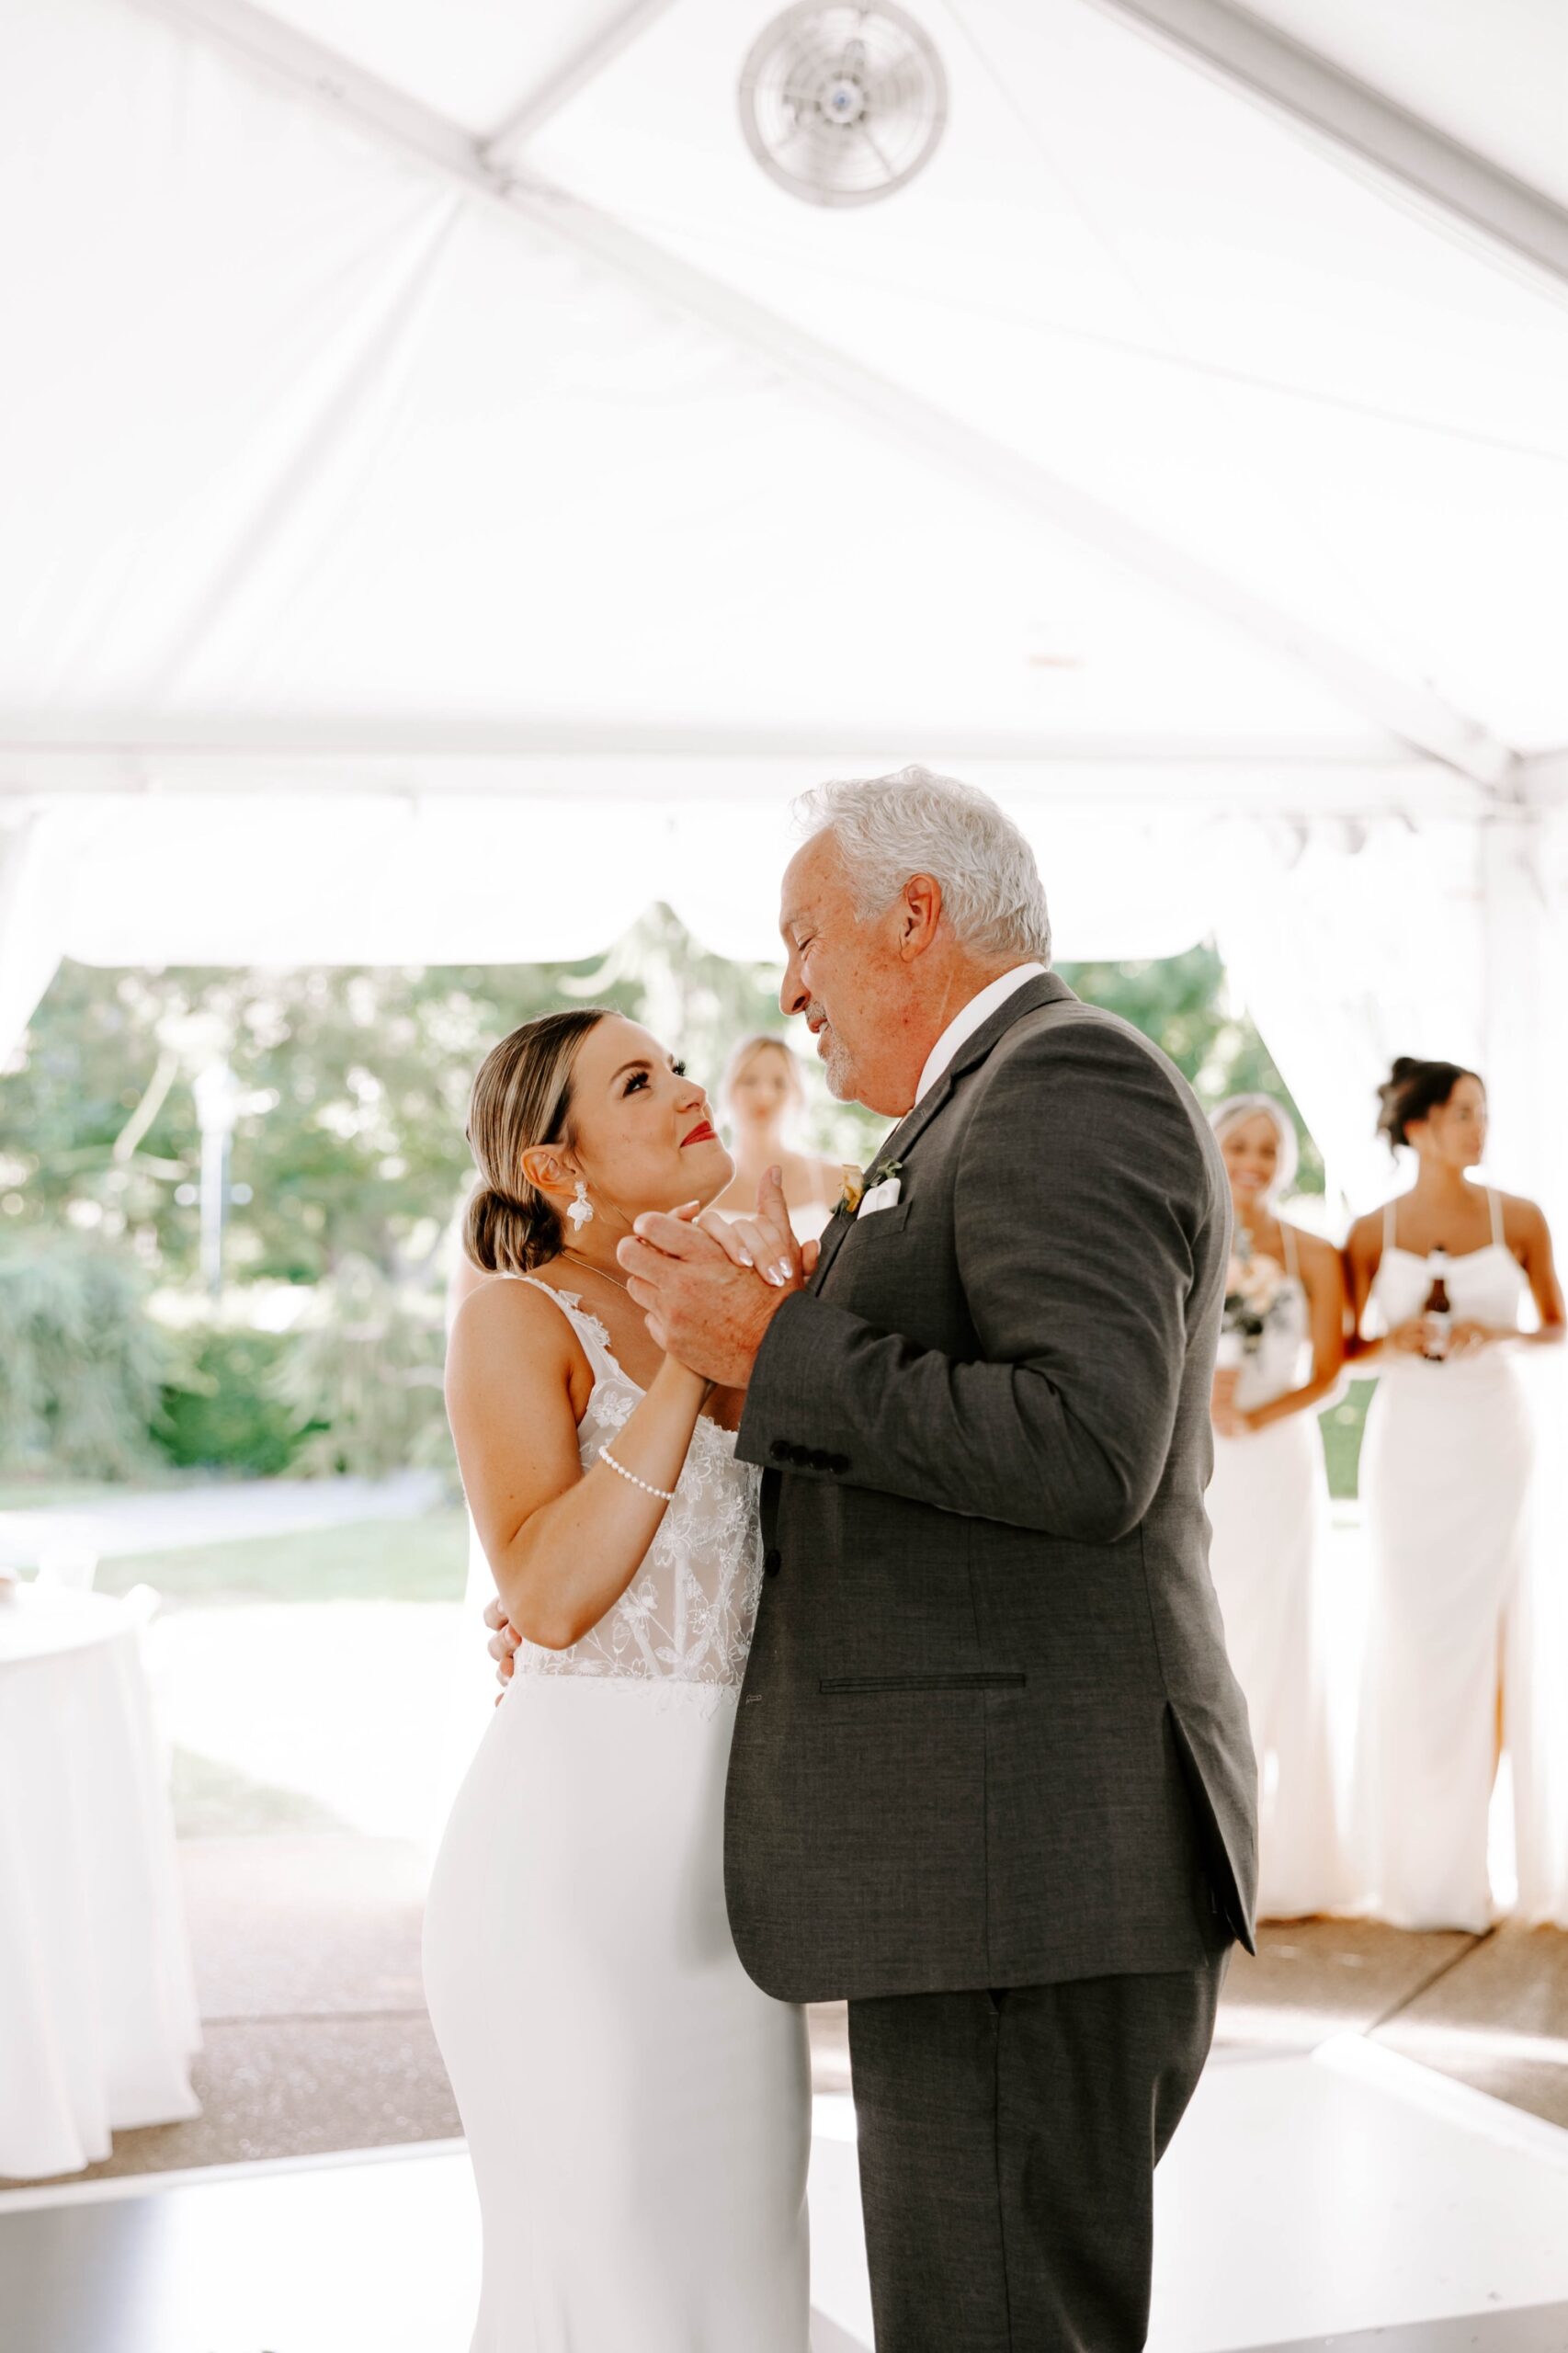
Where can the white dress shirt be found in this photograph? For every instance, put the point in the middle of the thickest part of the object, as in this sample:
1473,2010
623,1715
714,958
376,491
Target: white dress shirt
970,1017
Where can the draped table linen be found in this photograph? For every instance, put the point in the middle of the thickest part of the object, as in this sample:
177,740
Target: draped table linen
98,2017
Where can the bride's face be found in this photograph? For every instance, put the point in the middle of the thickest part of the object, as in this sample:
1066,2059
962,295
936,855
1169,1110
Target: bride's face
641,1135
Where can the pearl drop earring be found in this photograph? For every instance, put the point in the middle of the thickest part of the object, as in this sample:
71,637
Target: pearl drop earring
581,1210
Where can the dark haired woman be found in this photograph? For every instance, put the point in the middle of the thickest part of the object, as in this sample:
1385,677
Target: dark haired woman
1439,1276
1268,1502
637,2110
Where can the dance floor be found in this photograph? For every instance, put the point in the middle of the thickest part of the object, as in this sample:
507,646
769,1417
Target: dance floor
1347,2198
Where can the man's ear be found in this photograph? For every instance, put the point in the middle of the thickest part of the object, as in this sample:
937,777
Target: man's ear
920,912
547,1170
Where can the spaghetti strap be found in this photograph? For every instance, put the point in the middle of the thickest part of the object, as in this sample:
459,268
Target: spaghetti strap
1292,1262
1389,1224
590,1331
1498,1237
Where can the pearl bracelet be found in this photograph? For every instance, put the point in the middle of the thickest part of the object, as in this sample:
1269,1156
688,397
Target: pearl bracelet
666,1494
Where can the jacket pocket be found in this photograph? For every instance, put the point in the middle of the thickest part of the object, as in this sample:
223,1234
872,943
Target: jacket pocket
883,1221
1001,1680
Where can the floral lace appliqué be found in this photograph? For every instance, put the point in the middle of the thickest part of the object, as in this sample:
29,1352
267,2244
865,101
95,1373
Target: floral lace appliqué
687,1615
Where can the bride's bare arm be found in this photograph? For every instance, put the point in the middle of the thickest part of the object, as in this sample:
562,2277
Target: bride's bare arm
563,1545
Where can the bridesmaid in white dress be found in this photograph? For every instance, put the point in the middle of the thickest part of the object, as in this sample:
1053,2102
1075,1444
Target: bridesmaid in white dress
762,1094
1445,1479
1267,1508
637,2110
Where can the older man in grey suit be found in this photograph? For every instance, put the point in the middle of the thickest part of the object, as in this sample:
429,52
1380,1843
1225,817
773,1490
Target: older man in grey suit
991,1776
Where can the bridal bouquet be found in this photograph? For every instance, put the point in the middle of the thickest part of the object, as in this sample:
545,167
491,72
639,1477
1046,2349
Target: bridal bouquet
1254,1294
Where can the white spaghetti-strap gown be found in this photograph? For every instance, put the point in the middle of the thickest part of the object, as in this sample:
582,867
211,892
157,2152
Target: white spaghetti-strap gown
1268,1510
1445,1479
637,2110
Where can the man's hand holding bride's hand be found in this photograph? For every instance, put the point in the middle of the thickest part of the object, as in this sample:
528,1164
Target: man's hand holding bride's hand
505,1640
709,1288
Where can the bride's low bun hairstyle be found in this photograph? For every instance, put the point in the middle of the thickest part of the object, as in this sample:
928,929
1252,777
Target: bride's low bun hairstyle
522,1097
1412,1090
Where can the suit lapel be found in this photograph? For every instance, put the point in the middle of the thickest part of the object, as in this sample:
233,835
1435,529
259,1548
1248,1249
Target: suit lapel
1047,990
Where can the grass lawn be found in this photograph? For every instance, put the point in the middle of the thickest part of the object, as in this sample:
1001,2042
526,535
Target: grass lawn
1343,1427
381,1559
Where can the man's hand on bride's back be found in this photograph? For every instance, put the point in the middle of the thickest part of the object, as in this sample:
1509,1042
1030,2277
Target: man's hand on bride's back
505,1640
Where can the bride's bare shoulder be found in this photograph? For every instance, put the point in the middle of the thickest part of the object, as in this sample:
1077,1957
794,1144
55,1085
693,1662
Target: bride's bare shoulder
505,1319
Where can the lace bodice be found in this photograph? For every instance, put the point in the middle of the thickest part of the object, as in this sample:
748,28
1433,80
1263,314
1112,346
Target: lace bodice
687,1617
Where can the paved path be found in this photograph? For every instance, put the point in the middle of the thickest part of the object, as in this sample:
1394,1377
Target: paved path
224,1513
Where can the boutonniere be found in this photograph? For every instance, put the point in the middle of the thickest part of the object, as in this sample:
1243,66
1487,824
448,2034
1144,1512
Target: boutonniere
857,1187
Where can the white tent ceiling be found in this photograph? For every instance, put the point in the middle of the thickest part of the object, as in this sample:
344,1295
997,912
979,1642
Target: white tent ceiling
497,395
425,419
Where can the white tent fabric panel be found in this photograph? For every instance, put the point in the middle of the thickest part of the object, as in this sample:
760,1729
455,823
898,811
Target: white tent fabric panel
469,879
307,432
1134,278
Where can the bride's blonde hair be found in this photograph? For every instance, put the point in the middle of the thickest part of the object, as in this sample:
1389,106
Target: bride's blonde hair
522,1096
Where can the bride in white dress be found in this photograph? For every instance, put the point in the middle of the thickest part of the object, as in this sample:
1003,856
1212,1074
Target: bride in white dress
1268,1508
1446,1475
637,2110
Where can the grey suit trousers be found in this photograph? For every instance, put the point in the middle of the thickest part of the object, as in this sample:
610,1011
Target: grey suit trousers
1007,2146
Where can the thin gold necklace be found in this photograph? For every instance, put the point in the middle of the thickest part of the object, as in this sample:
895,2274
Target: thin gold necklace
588,1263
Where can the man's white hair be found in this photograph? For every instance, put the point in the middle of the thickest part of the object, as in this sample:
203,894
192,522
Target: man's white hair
890,827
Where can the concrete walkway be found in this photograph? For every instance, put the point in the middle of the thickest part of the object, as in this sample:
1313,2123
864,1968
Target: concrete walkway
225,1512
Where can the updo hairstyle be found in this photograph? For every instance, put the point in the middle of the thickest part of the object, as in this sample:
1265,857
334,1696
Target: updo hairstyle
522,1096
1235,1108
1412,1090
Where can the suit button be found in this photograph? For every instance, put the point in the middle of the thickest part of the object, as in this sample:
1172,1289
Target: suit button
838,1463
800,1454
818,1457
781,1449
772,1561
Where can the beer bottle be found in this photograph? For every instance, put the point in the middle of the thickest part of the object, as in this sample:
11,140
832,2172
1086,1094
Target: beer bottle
1438,1315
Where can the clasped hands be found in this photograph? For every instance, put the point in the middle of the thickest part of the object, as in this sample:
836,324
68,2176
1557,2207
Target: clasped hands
710,1286
1466,1338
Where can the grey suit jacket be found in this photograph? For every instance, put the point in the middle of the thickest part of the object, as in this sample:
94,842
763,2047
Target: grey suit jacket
988,1734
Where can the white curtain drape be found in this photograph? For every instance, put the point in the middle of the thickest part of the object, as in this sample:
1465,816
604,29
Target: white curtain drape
1350,942
34,915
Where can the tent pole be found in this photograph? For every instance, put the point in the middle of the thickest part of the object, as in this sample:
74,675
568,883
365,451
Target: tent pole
1451,182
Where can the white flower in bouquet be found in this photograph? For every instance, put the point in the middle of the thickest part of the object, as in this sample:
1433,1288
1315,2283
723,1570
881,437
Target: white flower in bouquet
1255,1286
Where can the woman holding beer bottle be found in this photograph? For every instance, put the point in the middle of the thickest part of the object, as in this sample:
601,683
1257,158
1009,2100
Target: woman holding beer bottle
1439,1278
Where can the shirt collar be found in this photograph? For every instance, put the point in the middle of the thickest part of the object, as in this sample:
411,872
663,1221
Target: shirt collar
969,1019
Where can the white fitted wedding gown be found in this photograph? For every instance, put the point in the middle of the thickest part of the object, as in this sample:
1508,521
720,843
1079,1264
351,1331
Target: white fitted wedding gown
1266,1506
637,2110
1445,1478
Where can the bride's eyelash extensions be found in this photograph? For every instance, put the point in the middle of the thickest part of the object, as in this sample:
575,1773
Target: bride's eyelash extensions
640,1077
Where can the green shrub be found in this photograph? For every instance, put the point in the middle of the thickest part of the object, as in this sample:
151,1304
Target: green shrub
225,1411
364,1377
82,1364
